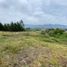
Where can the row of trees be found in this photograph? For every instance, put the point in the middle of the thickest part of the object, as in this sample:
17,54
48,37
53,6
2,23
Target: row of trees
13,26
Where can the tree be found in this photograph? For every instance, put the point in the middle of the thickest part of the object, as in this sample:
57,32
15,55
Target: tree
21,22
1,27
5,27
13,26
22,25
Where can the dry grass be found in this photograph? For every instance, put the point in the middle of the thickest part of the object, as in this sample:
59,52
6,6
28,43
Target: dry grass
29,49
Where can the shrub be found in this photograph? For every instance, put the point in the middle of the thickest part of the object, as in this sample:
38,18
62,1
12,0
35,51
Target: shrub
53,32
58,31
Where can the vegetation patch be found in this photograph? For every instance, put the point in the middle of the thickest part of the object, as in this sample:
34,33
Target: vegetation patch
32,49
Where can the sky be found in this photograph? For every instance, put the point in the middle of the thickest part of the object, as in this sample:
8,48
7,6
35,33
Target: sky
34,11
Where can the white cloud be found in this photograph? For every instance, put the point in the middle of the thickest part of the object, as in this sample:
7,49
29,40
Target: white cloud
1,1
34,11
60,2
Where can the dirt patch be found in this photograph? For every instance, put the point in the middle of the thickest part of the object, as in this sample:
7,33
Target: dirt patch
29,55
32,57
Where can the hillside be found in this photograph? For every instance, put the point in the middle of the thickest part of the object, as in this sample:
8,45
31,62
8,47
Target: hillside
46,26
32,49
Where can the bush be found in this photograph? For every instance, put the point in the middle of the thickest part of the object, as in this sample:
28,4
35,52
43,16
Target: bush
28,29
53,32
58,31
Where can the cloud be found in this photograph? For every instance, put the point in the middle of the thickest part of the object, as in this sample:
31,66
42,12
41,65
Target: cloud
34,11
60,2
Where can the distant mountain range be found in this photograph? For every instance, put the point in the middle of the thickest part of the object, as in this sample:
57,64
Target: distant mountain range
46,26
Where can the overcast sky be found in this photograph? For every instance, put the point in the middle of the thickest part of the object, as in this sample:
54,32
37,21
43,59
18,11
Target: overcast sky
34,11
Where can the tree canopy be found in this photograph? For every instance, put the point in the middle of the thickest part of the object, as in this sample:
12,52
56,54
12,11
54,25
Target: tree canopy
13,26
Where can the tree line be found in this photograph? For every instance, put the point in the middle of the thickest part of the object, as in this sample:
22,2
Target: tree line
13,26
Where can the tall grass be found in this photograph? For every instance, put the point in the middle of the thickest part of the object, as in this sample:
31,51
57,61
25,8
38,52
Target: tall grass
32,49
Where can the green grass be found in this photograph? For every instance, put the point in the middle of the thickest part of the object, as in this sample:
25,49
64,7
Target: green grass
31,49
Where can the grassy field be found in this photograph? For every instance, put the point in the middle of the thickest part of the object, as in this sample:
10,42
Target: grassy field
31,49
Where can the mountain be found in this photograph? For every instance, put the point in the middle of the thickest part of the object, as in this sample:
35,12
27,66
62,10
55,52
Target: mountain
46,26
